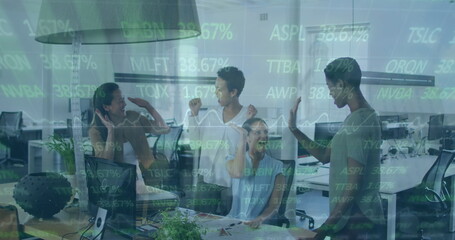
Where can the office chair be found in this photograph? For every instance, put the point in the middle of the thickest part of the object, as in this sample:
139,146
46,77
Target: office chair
300,213
166,145
10,130
303,215
427,201
288,172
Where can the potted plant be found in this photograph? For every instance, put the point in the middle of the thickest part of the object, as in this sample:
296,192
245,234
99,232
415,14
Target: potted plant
65,147
176,225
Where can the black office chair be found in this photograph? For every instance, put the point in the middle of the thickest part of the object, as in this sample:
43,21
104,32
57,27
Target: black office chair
166,145
303,215
288,172
10,130
428,201
300,213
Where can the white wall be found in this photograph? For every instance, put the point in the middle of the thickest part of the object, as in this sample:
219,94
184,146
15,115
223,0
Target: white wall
255,48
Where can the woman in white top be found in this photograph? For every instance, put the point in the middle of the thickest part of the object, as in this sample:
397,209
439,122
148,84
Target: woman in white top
119,135
257,179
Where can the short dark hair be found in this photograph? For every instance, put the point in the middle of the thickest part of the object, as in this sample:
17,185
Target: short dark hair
346,69
247,125
234,78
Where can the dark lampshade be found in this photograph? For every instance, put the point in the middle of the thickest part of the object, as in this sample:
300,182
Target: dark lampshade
116,21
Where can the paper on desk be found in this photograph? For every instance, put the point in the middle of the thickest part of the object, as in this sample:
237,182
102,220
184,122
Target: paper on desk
242,231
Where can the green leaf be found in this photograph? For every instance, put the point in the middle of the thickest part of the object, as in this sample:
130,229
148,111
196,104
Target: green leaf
179,226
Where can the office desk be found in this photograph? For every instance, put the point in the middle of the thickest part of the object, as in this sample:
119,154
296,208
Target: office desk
66,221
71,220
20,150
35,132
242,231
397,175
36,148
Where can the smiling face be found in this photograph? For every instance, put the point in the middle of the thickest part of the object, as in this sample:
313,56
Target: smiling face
222,92
258,137
118,104
337,91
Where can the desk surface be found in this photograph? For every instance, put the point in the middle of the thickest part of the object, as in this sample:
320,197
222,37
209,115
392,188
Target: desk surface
396,174
71,219
66,221
40,127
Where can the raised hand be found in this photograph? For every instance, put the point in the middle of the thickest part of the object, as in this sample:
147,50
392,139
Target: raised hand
139,102
195,104
241,131
292,122
252,111
105,120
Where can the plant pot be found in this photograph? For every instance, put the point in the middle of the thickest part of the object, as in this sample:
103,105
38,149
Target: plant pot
69,162
73,182
42,194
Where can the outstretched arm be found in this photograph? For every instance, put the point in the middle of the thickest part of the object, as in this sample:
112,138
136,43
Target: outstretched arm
273,204
194,130
318,151
155,126
103,148
252,111
236,166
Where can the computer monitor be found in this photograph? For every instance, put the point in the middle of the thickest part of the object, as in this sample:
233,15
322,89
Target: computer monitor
436,127
392,133
389,118
86,106
324,132
301,151
112,186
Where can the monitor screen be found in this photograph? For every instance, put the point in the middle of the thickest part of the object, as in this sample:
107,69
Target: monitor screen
389,118
86,106
301,151
436,127
324,132
112,186
392,133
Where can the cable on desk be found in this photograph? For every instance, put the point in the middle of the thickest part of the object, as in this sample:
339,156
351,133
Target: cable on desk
82,235
97,235
89,225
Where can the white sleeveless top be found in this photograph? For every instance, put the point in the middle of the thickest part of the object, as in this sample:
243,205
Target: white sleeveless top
129,156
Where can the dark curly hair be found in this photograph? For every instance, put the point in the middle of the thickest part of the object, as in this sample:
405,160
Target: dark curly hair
346,69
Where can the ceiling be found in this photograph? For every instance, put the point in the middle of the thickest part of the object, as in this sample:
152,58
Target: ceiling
224,4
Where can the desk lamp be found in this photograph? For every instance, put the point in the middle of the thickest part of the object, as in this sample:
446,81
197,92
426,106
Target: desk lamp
79,22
